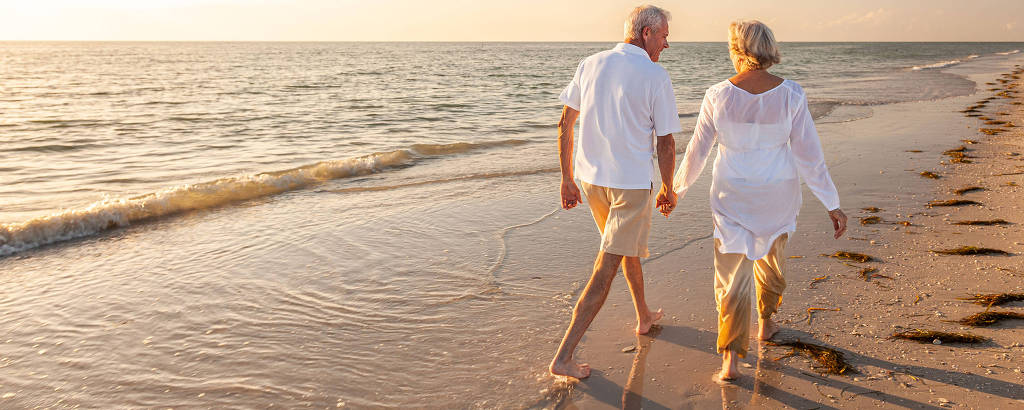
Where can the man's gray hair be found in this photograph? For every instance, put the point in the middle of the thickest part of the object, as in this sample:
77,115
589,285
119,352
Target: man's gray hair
645,16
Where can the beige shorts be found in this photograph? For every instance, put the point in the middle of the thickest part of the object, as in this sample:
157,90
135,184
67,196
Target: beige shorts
623,216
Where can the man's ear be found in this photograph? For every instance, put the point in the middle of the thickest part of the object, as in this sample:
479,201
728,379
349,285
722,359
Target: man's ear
646,33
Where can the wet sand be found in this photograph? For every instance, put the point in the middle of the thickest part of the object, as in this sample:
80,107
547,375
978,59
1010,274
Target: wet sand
873,166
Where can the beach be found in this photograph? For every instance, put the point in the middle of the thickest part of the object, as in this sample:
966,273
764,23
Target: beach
876,163
364,225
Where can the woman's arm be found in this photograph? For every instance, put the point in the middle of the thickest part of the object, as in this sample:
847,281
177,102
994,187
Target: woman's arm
697,150
810,161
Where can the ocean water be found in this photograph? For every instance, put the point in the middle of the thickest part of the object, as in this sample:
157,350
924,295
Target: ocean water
323,224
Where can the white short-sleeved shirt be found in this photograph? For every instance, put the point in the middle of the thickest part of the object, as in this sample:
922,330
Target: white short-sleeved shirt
625,100
767,143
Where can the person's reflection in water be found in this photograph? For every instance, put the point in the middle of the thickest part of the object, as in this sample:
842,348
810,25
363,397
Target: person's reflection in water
632,394
766,376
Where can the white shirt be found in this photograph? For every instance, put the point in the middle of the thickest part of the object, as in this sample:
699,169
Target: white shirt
766,143
625,100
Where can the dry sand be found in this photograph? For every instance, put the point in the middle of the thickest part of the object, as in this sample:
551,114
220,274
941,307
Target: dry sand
872,167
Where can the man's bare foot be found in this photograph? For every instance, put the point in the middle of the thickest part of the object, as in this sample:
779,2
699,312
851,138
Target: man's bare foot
730,367
645,326
570,368
766,329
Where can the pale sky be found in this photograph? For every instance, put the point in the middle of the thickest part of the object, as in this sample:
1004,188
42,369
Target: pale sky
485,20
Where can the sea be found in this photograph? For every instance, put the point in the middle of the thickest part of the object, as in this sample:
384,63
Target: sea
238,225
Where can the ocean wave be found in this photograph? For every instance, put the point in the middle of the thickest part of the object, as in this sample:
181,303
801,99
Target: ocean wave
1006,53
942,64
118,212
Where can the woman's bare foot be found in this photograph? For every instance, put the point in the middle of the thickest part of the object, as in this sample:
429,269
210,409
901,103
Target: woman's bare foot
730,367
645,326
766,329
570,368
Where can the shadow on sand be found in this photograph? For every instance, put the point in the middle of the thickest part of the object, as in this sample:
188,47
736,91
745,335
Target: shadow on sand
764,386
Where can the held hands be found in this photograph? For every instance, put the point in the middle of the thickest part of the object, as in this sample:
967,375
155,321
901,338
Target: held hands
838,221
666,200
570,194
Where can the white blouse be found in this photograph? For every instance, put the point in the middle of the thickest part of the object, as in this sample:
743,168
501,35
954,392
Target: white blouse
766,143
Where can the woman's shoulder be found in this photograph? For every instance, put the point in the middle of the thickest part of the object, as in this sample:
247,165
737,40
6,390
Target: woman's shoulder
793,87
718,88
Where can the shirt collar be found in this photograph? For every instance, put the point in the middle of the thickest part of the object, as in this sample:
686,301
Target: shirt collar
632,49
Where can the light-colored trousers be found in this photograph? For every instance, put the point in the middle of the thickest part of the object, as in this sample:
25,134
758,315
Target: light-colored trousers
734,282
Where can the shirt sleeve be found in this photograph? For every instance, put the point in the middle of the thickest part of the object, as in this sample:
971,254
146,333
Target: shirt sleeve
810,161
665,113
571,94
697,151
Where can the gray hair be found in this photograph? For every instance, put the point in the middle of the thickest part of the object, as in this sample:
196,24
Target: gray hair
752,45
645,16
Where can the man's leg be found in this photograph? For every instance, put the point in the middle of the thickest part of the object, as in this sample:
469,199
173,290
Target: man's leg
590,302
635,278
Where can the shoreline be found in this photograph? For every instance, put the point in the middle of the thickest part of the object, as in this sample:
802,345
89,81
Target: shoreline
917,289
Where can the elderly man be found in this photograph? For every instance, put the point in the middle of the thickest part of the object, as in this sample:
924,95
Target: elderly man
623,100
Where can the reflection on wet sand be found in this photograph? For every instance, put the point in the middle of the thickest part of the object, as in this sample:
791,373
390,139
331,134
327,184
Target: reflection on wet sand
632,394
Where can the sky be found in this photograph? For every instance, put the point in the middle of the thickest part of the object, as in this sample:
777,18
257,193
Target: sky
487,20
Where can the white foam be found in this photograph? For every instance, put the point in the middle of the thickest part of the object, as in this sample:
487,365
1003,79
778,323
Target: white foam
943,64
115,212
1006,53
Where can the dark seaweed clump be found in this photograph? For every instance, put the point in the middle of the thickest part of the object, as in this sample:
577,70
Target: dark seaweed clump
971,250
952,202
994,299
929,174
983,223
989,318
962,191
929,336
991,131
872,209
870,220
852,256
830,360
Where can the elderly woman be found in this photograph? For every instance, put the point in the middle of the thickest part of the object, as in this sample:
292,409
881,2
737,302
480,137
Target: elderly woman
766,143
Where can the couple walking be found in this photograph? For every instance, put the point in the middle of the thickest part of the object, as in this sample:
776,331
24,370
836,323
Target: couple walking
767,143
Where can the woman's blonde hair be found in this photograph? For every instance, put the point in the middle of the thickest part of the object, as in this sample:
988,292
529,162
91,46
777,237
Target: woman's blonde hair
752,45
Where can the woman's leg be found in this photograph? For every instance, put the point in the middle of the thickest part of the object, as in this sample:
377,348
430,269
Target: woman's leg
733,286
770,285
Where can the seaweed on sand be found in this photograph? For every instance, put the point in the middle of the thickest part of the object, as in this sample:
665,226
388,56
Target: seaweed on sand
952,202
870,220
994,299
991,131
988,222
872,209
929,174
989,318
829,360
995,122
965,190
929,336
851,256
971,250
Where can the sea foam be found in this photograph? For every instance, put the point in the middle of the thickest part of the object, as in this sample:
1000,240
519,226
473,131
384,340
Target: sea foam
117,212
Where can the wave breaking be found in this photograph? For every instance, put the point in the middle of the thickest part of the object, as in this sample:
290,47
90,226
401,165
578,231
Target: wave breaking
112,213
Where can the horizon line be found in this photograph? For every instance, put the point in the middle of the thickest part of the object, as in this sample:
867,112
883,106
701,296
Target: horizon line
485,41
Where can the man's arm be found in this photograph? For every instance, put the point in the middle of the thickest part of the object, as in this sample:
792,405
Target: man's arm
570,192
666,200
